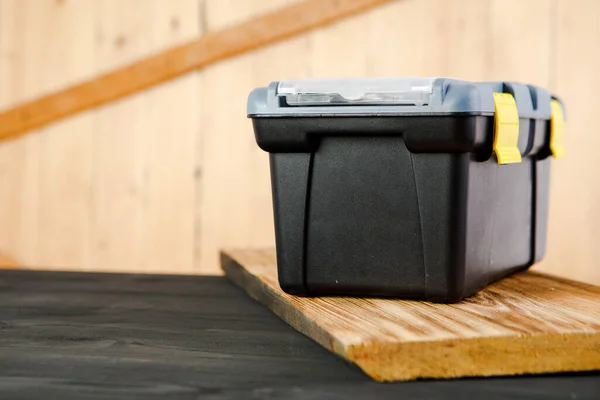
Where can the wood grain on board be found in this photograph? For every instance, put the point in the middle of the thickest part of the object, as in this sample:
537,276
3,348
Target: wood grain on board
527,323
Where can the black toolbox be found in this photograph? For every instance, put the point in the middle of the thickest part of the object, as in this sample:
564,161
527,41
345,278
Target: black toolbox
425,188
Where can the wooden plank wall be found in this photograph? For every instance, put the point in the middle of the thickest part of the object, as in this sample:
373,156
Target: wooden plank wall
110,189
159,181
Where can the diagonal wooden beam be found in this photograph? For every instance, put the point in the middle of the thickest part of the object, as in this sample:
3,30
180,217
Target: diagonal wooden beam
211,48
7,263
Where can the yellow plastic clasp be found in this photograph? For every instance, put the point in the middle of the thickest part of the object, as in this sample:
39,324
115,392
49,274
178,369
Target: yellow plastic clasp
506,129
557,130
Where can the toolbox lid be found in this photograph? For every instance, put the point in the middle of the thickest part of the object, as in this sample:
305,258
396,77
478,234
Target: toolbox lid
383,91
392,96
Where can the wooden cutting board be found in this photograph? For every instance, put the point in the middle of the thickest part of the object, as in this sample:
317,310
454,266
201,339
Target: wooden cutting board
527,323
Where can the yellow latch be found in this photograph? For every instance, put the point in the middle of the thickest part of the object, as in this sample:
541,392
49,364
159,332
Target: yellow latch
506,129
557,130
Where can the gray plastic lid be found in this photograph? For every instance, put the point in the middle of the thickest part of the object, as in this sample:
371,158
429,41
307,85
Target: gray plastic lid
394,96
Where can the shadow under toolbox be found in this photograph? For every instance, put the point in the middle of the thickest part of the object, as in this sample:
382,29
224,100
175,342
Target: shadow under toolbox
409,187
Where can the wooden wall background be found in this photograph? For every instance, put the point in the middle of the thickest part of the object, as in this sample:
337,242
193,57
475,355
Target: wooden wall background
159,181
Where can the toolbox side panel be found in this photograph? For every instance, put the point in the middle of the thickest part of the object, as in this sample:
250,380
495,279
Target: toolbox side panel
442,188
290,181
499,220
541,195
364,234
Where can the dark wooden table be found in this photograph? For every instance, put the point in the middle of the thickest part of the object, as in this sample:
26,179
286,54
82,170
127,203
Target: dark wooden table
89,336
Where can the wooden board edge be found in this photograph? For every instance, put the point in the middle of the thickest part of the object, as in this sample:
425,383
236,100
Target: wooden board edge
285,310
264,30
476,357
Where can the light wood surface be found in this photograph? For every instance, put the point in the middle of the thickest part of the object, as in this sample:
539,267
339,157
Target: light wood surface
574,224
21,78
65,149
162,179
145,145
527,323
108,188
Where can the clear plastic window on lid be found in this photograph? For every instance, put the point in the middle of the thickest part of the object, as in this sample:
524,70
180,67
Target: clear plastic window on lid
375,91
